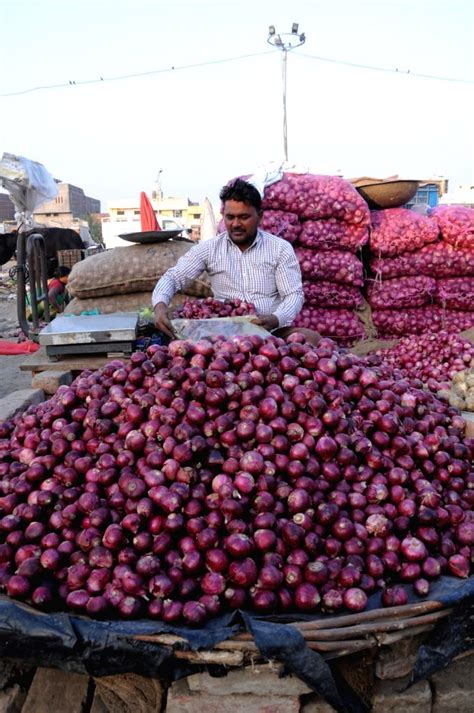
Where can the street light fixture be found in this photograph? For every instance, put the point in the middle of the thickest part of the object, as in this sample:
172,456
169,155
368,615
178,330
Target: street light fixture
285,41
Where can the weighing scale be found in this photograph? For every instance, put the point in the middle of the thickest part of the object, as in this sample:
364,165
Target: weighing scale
112,334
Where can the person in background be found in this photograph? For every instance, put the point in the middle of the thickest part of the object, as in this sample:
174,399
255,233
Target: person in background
57,289
243,263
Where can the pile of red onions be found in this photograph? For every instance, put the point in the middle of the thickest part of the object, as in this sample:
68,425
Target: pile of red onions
420,320
401,292
210,307
399,230
225,474
432,358
456,225
333,234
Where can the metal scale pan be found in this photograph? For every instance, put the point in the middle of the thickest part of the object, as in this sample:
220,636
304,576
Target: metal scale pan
90,334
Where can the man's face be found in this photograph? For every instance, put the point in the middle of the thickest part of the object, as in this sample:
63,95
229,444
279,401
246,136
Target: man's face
241,222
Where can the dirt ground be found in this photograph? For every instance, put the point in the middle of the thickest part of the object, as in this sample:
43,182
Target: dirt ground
11,378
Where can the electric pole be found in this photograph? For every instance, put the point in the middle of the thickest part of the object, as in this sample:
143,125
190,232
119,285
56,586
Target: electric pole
285,41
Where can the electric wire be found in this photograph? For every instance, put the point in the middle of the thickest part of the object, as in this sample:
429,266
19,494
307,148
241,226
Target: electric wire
195,65
402,72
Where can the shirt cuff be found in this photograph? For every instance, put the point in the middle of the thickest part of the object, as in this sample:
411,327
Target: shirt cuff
156,299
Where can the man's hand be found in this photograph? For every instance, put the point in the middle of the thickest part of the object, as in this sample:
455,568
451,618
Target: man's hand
267,321
162,321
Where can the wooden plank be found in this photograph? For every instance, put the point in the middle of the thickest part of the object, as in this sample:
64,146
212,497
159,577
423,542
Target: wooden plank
39,361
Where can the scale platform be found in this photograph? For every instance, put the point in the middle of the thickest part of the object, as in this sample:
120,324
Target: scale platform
90,334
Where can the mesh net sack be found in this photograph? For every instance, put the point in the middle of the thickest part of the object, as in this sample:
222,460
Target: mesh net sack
284,225
313,197
435,260
130,269
334,323
401,292
333,234
331,294
421,320
395,231
456,293
456,225
333,266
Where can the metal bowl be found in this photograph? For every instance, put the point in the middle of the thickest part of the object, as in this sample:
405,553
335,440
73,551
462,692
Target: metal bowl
388,194
152,236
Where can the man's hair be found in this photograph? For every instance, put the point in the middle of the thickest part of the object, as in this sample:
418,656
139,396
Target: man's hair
243,192
63,271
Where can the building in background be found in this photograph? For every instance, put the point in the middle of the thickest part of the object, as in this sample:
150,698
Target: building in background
7,209
71,202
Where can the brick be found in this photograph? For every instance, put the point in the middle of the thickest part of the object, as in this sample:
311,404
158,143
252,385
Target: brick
12,699
19,401
256,680
55,691
397,660
389,697
317,705
127,692
182,700
454,687
51,380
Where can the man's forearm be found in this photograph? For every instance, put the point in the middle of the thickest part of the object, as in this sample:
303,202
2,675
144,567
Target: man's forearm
289,308
164,291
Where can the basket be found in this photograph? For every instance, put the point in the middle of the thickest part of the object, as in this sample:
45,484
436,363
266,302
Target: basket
332,636
68,258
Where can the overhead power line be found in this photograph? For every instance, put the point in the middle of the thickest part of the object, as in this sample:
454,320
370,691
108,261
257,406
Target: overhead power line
195,65
135,75
406,72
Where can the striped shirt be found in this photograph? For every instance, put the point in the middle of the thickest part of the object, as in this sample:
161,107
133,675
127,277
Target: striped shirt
267,274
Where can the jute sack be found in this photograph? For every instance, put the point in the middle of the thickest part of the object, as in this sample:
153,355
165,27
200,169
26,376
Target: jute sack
133,302
134,268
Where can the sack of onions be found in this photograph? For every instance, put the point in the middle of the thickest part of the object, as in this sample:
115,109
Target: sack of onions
332,323
394,231
333,234
434,260
313,197
456,225
401,292
281,223
331,294
421,320
332,266
456,293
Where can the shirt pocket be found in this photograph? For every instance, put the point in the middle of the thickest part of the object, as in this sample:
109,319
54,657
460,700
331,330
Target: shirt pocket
262,277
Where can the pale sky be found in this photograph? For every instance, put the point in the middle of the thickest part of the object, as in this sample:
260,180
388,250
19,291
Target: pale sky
203,125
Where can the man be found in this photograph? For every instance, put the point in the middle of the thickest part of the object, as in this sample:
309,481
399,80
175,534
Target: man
243,262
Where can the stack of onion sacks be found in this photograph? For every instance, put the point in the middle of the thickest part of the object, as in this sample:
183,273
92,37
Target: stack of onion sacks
269,475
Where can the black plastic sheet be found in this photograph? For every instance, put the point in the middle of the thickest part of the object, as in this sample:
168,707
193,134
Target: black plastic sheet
99,648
